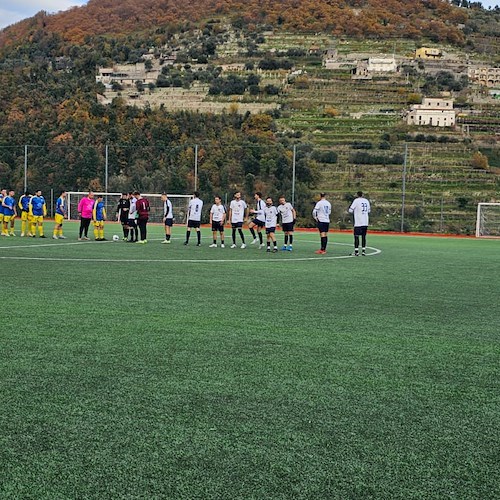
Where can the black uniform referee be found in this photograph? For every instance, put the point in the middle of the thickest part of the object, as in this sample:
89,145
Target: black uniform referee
122,213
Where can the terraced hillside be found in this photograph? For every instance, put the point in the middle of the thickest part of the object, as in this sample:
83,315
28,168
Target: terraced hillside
362,120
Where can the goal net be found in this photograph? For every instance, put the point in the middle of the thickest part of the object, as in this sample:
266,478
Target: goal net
180,204
488,220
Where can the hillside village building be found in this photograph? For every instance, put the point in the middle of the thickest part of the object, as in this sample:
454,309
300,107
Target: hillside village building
428,53
331,59
486,76
434,112
127,75
382,65
366,68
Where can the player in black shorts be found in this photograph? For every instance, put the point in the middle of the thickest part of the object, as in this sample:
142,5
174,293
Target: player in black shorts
122,211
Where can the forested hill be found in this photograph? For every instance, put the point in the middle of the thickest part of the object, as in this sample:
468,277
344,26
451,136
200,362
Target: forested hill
437,19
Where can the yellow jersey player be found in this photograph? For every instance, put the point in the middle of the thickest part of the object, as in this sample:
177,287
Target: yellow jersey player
37,211
9,213
59,217
23,204
98,218
3,194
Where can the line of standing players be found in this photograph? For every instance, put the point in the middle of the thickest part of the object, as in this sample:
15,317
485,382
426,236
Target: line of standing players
133,213
265,219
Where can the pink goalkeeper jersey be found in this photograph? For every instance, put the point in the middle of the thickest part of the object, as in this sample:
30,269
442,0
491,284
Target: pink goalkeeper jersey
85,207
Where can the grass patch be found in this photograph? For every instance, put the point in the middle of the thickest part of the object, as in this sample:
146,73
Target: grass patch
136,373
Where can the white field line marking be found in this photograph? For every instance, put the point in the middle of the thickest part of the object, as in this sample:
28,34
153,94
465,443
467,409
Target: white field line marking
375,251
67,243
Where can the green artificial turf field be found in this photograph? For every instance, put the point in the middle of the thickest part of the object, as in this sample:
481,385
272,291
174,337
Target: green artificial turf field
160,371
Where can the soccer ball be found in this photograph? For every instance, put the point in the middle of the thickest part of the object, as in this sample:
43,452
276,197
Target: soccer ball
116,237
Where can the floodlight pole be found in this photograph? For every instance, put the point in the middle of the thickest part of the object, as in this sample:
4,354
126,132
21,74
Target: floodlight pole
404,187
293,174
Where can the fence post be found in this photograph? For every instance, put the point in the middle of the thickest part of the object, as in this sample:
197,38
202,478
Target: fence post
196,167
106,166
404,188
25,167
441,220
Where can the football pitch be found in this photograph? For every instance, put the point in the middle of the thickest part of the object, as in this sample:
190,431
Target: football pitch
165,371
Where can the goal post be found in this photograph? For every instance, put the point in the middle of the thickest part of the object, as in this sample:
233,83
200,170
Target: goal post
180,204
488,220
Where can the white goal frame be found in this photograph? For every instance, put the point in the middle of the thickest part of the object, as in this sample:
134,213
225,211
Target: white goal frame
481,220
180,204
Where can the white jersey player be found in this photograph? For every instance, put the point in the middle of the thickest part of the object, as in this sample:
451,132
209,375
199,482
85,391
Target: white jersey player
288,216
132,220
360,207
259,220
321,214
194,217
271,221
217,219
168,217
237,213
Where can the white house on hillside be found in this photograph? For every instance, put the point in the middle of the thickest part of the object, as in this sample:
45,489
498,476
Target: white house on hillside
435,112
127,74
382,65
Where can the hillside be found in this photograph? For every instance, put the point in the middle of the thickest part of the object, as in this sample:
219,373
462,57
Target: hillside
355,18
249,99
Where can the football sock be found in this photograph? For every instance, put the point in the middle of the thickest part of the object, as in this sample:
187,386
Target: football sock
215,241
167,237
233,236
125,232
286,239
363,240
101,233
252,232
324,241
241,235
23,226
96,234
260,237
290,239
356,241
198,235
40,230
188,234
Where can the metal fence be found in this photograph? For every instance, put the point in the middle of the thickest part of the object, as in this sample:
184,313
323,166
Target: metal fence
411,187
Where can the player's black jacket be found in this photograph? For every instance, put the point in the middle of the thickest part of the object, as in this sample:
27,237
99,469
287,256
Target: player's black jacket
123,208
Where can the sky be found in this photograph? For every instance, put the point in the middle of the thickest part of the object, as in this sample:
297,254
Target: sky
12,11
